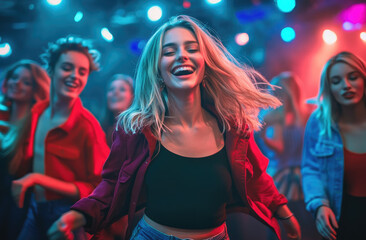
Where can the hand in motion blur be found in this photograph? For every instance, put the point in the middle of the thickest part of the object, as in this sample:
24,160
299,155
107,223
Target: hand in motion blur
63,227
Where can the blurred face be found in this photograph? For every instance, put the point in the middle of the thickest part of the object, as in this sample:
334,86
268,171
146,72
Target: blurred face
70,74
119,96
182,65
20,85
346,84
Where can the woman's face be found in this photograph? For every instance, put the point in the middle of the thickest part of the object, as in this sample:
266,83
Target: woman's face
119,96
346,84
20,85
182,65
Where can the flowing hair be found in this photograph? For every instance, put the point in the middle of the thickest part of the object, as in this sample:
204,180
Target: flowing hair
13,139
230,87
329,110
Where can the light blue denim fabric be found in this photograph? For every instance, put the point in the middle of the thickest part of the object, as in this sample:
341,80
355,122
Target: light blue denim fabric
322,168
143,231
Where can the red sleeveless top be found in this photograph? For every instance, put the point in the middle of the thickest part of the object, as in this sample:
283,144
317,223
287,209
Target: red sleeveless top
355,173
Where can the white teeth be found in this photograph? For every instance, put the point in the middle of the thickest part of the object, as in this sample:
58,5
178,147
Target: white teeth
71,84
183,68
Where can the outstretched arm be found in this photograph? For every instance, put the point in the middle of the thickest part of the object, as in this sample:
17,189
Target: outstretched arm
20,186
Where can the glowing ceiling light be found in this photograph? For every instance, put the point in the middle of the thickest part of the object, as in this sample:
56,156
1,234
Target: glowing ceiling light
288,34
54,2
154,13
241,39
78,16
5,50
106,34
286,5
213,1
329,36
363,36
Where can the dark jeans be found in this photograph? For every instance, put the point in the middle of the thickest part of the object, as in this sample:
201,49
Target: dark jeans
40,217
11,217
143,231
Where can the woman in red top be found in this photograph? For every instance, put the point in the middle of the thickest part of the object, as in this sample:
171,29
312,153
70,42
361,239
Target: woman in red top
185,148
25,83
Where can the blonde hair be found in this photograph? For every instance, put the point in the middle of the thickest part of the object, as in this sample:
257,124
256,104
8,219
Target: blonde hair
229,86
329,110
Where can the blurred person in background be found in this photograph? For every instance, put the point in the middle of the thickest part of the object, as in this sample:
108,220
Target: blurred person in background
119,97
334,155
283,133
67,145
24,84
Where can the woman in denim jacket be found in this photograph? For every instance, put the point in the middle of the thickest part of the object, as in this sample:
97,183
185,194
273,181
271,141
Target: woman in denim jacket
334,153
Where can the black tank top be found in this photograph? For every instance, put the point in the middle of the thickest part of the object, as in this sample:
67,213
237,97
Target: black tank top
188,193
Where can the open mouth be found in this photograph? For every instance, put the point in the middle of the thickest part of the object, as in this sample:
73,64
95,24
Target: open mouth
182,70
71,84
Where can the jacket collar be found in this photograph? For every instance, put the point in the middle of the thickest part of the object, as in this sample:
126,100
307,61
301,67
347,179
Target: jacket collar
67,126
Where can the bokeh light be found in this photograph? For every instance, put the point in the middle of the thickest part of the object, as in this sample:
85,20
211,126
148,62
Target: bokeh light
363,36
78,16
286,5
329,36
107,35
288,34
5,50
154,13
54,2
241,39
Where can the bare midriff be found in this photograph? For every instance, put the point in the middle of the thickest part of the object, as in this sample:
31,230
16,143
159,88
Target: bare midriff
186,233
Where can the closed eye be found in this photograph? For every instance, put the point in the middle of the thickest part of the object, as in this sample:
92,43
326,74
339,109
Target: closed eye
335,80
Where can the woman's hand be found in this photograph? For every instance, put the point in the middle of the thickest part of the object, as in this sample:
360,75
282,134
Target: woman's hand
290,223
20,186
326,223
63,227
292,228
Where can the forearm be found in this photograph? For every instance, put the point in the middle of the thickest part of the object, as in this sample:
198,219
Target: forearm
64,188
283,212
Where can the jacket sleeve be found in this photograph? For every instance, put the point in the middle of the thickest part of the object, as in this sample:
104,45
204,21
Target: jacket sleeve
96,206
96,152
260,185
313,187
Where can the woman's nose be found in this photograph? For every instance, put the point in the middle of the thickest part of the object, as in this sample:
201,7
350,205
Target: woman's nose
346,84
182,55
